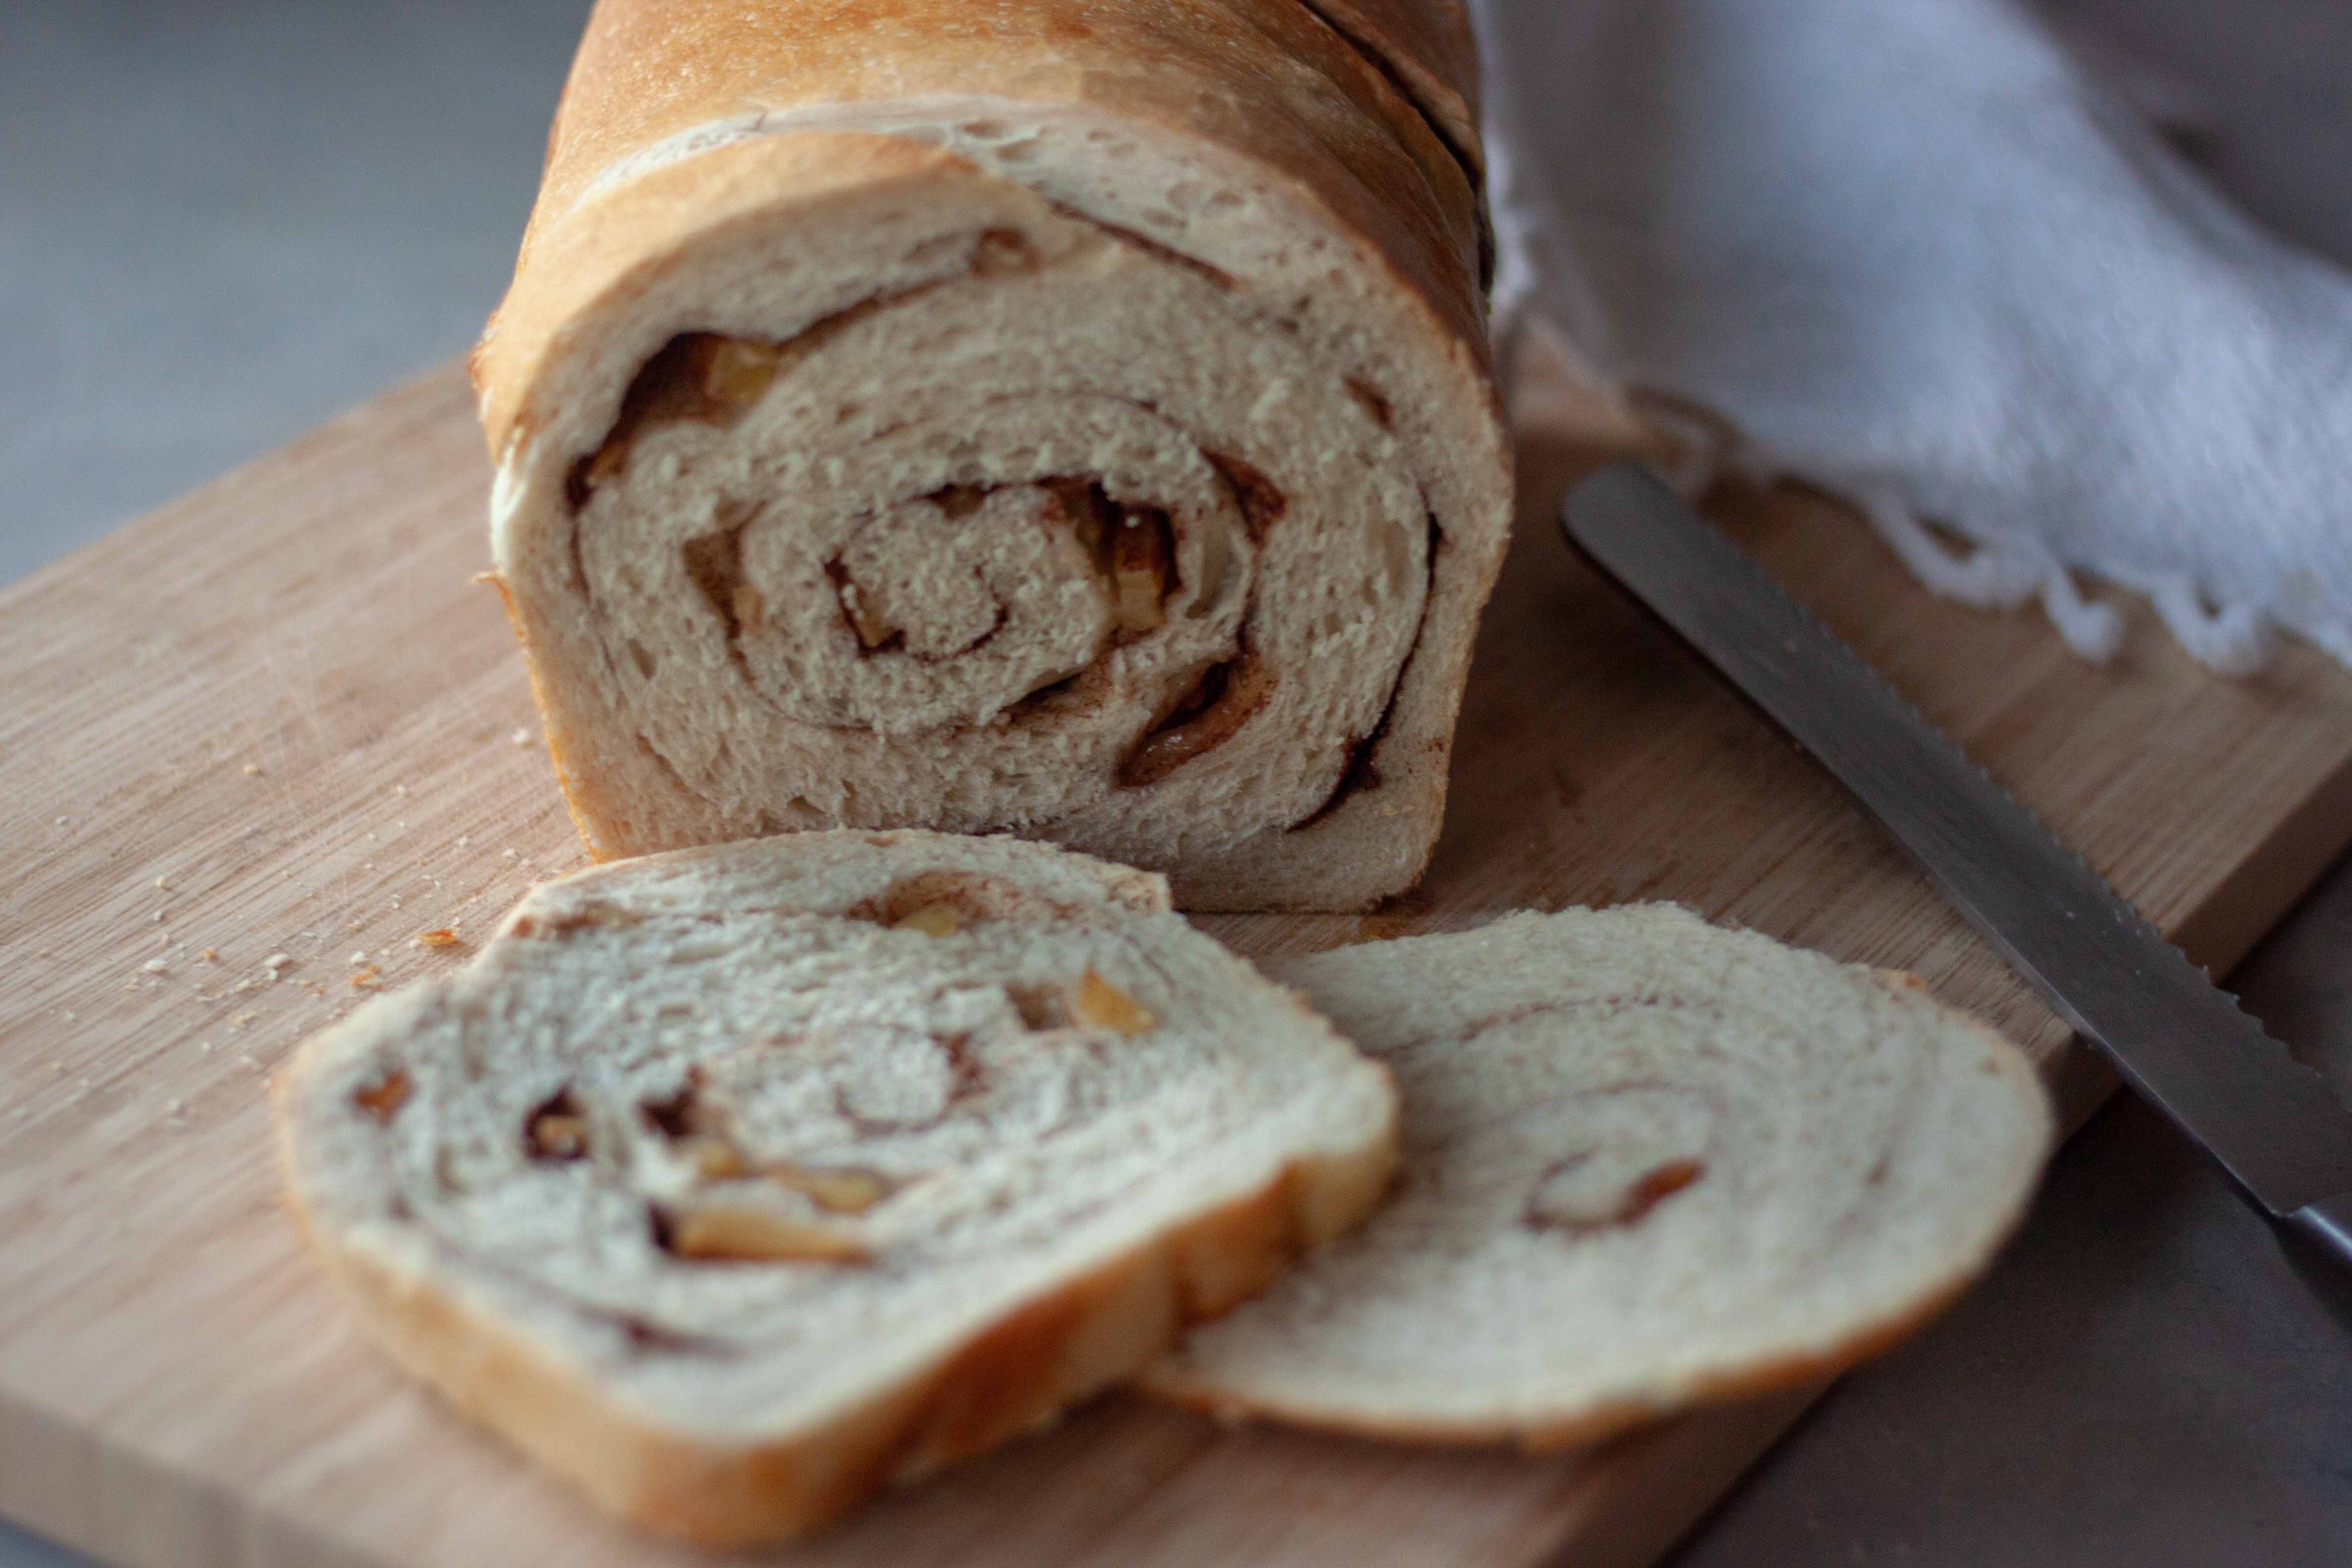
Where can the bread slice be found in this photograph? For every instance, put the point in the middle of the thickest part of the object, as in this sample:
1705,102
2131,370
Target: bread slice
1648,1163
734,1182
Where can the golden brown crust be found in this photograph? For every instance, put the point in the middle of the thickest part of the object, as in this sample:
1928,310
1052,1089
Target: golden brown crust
1428,46
1267,81
1596,1426
1427,49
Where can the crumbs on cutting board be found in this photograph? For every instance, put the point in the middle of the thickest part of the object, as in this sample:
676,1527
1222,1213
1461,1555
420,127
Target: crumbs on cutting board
229,985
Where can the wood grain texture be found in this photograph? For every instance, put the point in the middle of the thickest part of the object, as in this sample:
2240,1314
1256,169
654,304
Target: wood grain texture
281,697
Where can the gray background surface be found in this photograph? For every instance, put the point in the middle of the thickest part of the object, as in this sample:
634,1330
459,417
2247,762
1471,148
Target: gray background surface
223,220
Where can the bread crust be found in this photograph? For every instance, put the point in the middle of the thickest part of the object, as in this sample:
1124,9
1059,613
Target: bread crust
1268,81
1588,1428
1015,1375
1427,45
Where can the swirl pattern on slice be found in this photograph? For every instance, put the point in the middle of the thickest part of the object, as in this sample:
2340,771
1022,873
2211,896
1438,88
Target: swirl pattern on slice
1648,1163
806,1162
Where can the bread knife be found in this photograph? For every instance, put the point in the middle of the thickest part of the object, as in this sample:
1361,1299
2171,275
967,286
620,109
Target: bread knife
2181,1041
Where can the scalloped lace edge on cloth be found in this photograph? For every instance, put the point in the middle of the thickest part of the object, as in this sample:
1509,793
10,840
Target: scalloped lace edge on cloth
1991,569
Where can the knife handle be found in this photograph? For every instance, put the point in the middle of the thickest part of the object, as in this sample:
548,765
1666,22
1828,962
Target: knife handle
2327,1223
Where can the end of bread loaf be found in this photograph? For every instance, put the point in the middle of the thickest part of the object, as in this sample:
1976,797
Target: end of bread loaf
928,1247
1649,1164
1080,431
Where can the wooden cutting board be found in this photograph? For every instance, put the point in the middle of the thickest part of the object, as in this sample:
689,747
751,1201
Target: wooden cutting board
251,746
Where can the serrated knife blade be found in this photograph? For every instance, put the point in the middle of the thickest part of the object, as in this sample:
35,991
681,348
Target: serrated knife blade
2178,1039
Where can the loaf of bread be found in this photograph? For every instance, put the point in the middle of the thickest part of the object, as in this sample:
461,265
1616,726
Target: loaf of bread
1648,1163
734,1182
1026,416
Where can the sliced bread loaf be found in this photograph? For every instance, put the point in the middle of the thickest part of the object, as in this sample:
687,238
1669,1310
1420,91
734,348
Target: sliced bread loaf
733,1183
1648,1163
1051,417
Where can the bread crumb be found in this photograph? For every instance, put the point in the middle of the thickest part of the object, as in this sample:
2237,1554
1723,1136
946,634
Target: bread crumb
156,916
280,960
366,979
163,885
203,1047
212,955
361,956
400,789
439,936
253,770
521,737
249,1062
509,854
70,1018
463,839
62,821
156,966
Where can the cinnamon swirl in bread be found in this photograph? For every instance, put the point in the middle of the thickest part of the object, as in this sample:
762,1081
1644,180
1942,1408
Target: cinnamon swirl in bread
1032,416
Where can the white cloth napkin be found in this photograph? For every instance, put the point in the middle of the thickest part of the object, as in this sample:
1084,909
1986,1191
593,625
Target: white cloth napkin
1912,253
